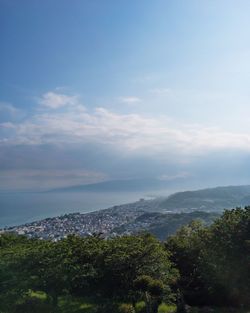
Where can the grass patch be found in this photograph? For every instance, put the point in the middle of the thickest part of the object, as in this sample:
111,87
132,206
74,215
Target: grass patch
166,308
140,307
38,294
72,305
37,302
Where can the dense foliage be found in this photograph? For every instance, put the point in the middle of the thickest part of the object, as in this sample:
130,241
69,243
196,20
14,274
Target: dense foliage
199,266
104,271
163,225
214,262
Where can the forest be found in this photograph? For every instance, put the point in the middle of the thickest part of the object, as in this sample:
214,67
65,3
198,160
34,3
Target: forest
198,269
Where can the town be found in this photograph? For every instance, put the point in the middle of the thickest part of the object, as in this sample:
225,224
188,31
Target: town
102,222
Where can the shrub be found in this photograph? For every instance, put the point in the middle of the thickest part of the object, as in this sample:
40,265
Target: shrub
126,308
164,308
140,307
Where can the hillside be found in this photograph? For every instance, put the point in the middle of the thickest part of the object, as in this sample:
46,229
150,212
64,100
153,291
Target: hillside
164,225
211,199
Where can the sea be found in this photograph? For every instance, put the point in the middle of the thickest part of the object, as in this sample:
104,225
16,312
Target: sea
24,207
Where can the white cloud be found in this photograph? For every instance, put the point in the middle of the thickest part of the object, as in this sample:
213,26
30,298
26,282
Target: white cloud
55,100
129,133
130,100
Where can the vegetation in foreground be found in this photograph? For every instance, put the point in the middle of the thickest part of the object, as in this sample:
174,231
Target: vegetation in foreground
200,269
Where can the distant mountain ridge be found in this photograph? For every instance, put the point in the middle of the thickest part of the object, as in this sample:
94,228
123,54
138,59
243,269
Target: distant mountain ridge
210,199
119,185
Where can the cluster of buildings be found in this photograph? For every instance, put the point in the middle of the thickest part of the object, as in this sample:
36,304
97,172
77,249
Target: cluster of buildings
104,222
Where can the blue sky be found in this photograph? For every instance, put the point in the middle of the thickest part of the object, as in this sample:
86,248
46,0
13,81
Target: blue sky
95,90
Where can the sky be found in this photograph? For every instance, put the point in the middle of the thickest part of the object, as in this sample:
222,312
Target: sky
94,90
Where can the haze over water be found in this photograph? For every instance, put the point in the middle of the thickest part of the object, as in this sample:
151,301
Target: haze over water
20,208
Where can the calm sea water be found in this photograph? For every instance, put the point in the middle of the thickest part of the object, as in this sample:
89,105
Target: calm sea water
19,208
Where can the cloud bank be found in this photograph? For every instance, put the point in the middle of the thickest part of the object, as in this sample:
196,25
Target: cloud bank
100,143
64,120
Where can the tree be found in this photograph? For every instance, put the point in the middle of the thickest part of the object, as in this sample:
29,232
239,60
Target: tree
228,255
108,268
46,268
13,278
152,291
187,248
214,261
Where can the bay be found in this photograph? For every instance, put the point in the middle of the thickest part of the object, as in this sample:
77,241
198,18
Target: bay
21,208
